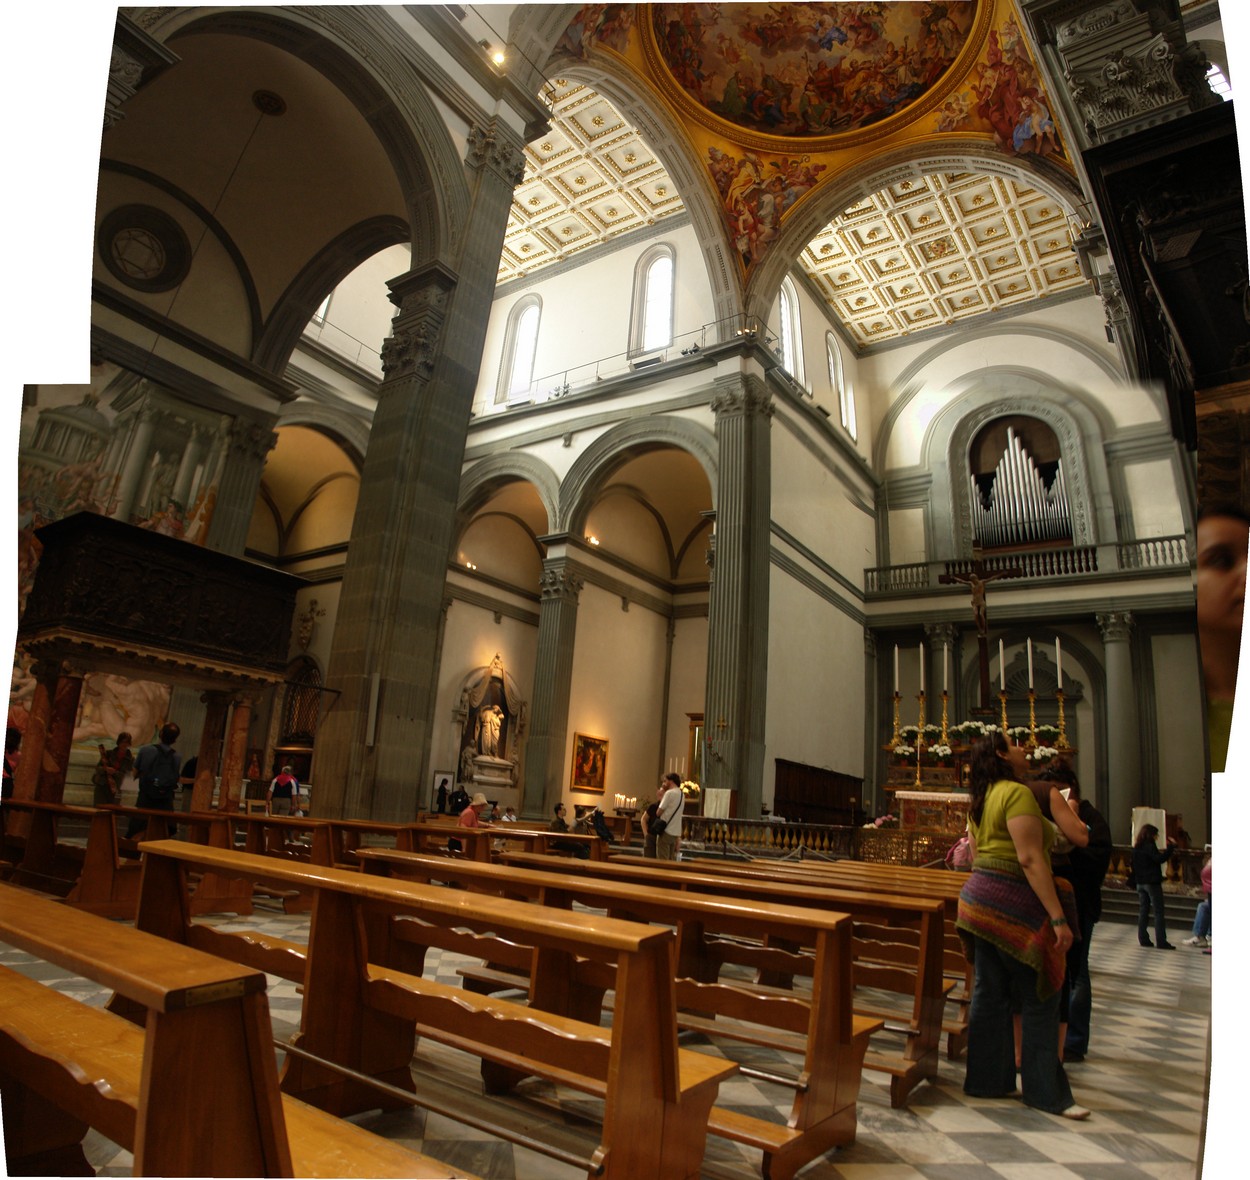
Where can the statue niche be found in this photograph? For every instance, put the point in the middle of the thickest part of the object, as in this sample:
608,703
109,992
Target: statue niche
491,721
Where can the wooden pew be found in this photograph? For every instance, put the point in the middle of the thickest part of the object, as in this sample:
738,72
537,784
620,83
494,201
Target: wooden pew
366,1001
879,877
820,1028
94,875
201,1029
888,959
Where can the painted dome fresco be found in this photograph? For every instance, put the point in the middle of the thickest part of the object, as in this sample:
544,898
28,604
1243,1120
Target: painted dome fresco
809,70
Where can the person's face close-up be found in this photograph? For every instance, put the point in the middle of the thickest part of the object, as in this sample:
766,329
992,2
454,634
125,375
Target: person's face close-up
1221,573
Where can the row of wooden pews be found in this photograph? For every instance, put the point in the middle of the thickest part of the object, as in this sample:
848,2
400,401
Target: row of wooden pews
712,933
367,1000
182,1023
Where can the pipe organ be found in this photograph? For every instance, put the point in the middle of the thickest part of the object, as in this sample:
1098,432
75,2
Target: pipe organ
1019,503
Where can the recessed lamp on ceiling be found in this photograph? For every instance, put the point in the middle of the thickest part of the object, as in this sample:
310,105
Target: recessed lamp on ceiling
269,103
498,57
592,539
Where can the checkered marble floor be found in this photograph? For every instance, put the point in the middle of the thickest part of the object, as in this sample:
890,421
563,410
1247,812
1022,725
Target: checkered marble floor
1144,1079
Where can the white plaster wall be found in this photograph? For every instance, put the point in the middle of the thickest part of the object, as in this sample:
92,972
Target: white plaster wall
1154,497
616,692
1063,345
1181,732
815,683
906,536
811,503
586,311
360,313
687,681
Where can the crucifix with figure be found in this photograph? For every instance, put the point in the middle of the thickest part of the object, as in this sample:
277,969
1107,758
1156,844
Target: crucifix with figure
976,579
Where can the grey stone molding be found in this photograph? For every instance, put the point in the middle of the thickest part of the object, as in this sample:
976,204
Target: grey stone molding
485,477
490,146
1115,626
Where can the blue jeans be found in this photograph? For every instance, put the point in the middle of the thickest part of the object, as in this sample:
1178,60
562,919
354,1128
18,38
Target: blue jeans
1081,1000
1148,896
1202,919
1004,984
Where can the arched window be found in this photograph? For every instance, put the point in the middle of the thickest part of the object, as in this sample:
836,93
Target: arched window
791,339
516,373
838,383
651,321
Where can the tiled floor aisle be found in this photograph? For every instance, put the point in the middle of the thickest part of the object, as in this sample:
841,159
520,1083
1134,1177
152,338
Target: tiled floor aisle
1143,1079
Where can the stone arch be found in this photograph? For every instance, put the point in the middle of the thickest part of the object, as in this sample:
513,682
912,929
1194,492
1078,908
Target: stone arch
296,305
668,140
598,460
483,479
349,49
992,393
826,201
351,433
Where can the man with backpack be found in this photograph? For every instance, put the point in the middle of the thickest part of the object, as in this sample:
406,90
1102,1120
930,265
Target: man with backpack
156,768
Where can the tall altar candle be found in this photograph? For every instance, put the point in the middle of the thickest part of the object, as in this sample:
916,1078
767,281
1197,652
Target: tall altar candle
896,669
1002,669
1059,663
1029,648
945,666
922,666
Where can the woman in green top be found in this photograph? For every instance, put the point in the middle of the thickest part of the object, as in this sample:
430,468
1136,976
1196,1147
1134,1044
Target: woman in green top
1017,924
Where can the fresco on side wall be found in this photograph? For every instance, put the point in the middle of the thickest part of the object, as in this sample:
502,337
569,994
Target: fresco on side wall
123,447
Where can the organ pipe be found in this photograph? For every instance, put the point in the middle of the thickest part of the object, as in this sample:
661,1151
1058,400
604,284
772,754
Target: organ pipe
1021,509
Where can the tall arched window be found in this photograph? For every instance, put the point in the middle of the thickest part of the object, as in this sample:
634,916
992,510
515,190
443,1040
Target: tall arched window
838,383
651,321
790,329
516,372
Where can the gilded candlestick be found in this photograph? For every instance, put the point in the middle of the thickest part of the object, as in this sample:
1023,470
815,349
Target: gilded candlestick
946,741
919,736
1032,718
1002,700
1061,742
897,700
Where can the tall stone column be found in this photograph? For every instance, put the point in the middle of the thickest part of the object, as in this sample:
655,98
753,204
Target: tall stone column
35,738
136,462
248,445
209,755
55,763
553,677
737,658
235,755
1123,742
192,453
373,749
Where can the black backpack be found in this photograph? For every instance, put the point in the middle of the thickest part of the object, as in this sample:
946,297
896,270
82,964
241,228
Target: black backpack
459,801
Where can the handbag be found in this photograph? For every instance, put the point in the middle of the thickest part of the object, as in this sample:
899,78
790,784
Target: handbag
657,826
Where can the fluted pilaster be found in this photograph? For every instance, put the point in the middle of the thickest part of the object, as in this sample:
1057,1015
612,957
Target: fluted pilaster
737,662
1123,736
553,676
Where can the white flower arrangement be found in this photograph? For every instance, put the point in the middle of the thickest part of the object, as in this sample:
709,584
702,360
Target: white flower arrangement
690,787
968,730
1043,754
940,751
903,750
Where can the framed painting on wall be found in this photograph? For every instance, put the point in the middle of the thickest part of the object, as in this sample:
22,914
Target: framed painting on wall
590,761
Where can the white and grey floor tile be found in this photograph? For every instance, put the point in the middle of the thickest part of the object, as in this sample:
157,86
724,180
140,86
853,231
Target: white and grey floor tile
1144,1079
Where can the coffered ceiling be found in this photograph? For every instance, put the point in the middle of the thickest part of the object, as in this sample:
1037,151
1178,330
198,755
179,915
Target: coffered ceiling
922,253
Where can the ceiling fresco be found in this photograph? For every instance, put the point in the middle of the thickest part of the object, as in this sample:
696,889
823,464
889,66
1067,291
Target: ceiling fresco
780,99
808,70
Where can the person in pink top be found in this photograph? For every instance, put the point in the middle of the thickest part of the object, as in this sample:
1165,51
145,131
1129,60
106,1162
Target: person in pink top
470,817
1202,919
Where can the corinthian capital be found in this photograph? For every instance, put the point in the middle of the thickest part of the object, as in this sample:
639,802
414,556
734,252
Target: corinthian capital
560,584
408,351
1115,625
489,149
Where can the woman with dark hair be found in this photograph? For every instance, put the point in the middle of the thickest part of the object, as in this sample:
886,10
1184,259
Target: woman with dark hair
1017,924
1148,864
1221,595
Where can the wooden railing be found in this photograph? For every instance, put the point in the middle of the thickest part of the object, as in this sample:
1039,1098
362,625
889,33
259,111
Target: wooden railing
1152,553
748,838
